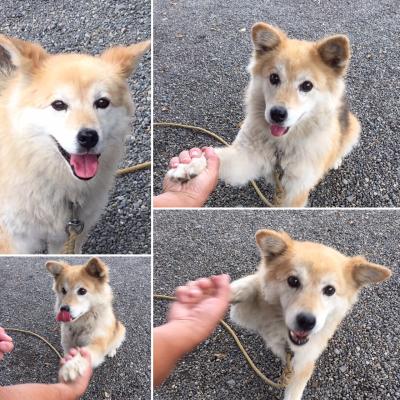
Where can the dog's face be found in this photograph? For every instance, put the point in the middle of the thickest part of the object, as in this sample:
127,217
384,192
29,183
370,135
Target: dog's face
314,284
79,289
77,105
296,76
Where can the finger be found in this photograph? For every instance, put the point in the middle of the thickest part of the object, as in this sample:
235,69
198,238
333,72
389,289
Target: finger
174,162
195,152
181,294
212,159
4,337
73,352
194,294
184,157
204,283
6,347
222,286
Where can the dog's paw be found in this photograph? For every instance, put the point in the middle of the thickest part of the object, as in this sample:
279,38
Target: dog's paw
238,291
112,353
184,172
73,368
338,163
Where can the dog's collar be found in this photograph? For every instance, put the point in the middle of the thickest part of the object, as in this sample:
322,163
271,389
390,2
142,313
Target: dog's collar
74,225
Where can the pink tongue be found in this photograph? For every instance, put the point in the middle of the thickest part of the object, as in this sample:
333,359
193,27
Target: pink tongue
277,130
63,316
85,165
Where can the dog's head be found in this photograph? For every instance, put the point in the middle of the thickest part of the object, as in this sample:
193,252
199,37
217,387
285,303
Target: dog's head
314,284
296,76
79,289
77,104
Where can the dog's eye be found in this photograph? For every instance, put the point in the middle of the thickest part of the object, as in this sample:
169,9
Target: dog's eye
103,102
328,290
306,86
63,291
59,105
274,79
82,291
293,281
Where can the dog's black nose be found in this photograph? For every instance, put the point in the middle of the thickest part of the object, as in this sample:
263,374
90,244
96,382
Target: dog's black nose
88,138
278,114
305,322
65,308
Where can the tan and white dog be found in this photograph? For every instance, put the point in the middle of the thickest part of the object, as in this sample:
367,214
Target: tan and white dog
297,117
298,297
84,309
63,123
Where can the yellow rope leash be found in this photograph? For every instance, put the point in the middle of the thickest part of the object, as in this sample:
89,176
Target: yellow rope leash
37,336
286,374
138,167
224,142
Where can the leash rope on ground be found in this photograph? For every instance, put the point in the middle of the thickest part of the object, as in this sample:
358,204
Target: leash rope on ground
26,332
73,231
278,186
287,372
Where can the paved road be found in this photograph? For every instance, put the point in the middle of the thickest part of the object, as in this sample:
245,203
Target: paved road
90,26
362,360
201,53
27,301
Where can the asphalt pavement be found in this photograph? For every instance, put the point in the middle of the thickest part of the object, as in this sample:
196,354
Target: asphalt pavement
27,302
91,26
201,52
362,359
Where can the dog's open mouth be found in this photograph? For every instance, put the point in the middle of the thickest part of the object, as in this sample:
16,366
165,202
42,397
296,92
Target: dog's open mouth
277,130
298,337
83,166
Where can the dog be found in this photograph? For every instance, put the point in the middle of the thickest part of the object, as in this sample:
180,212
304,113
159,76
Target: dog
297,124
84,309
63,123
298,297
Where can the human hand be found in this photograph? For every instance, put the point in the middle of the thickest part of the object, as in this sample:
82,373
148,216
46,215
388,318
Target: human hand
195,191
200,305
77,387
6,343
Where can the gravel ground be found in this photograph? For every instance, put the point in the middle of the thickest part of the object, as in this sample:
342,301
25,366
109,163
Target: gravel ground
362,360
200,58
27,302
88,26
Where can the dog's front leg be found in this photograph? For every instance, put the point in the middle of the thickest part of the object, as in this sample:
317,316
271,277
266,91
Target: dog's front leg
244,289
238,166
297,185
296,199
302,371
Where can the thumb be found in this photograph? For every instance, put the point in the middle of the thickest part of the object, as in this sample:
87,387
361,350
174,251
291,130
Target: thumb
212,159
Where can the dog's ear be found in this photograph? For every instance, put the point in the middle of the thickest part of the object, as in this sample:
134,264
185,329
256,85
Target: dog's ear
335,52
96,268
365,272
126,58
271,243
266,37
55,267
17,53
